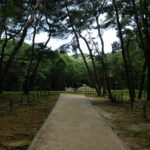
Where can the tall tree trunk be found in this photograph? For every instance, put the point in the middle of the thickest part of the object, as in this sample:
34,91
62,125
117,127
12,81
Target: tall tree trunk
128,75
144,37
103,80
104,61
29,70
2,51
18,45
96,79
147,35
142,81
148,80
25,86
2,26
129,63
33,75
27,81
83,57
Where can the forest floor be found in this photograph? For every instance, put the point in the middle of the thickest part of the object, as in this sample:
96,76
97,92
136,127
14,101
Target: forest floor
75,125
17,128
131,127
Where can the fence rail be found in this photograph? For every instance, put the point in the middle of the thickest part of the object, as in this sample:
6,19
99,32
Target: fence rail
124,94
10,101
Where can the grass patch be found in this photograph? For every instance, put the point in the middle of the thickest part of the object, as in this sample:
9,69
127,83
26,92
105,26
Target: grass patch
143,133
124,94
19,126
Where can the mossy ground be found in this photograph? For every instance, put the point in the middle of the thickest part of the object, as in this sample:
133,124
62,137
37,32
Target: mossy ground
17,128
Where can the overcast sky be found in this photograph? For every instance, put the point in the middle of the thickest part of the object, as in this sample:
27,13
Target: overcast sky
109,37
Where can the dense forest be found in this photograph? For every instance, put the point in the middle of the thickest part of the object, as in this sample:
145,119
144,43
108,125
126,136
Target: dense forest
58,70
37,67
55,71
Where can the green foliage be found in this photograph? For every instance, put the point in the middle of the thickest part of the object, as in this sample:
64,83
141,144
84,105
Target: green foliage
56,70
60,72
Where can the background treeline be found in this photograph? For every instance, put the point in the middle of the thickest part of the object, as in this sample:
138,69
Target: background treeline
56,70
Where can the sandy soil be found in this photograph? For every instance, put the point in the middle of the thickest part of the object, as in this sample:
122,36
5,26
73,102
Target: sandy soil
131,127
75,125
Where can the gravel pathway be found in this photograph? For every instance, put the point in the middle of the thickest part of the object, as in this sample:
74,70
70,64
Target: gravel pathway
75,125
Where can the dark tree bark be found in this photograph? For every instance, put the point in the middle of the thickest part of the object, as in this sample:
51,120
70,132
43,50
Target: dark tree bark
142,81
96,78
127,68
25,85
18,45
32,71
4,44
147,35
33,75
102,80
104,61
2,51
83,57
144,36
129,62
30,67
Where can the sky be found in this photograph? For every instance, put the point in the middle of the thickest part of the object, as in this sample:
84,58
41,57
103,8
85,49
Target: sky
109,37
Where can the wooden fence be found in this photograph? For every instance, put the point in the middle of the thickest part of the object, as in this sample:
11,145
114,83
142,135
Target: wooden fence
9,102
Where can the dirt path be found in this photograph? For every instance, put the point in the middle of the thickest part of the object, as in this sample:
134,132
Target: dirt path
75,125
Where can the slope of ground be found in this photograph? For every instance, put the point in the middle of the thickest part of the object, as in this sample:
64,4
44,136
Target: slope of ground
132,128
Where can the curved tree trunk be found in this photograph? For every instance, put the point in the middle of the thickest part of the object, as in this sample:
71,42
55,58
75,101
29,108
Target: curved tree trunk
26,81
104,62
127,68
96,79
83,57
18,45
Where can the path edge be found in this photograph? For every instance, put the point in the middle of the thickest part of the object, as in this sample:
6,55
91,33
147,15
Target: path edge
115,134
39,132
